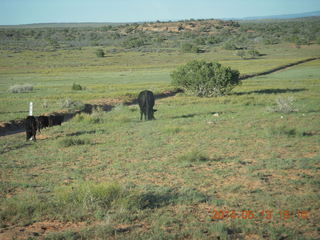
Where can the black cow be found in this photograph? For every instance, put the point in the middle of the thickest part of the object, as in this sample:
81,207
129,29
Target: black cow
55,120
146,103
31,128
42,122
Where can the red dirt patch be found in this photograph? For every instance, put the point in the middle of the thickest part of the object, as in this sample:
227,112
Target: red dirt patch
38,229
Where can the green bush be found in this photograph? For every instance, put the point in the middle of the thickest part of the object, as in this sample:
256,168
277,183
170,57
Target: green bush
100,53
205,79
252,53
77,87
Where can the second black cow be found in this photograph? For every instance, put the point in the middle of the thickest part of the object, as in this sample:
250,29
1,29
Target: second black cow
31,128
146,103
55,120
42,122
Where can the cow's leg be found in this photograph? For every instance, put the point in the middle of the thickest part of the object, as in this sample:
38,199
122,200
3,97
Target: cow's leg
141,113
27,136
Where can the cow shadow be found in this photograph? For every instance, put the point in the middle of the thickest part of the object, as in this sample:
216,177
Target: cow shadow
271,91
84,132
197,114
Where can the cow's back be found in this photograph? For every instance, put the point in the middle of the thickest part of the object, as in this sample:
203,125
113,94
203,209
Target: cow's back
146,103
145,98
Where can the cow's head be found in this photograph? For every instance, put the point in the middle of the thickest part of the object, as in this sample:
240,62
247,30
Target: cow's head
151,116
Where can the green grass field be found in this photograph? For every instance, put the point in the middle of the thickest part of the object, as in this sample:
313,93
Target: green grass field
110,176
114,76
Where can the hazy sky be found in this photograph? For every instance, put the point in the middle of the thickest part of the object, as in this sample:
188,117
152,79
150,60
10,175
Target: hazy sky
45,11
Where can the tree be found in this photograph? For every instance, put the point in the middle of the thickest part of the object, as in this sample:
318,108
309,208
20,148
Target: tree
205,79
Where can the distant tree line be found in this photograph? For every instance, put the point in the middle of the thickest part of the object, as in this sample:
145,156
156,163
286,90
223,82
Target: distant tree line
230,35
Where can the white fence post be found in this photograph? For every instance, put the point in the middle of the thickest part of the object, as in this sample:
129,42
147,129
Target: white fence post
30,108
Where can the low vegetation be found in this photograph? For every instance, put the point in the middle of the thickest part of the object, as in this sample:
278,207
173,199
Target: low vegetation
284,105
77,87
71,105
67,142
21,88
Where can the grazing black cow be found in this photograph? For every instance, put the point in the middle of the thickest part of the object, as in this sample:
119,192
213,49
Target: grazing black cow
42,122
31,128
55,120
146,103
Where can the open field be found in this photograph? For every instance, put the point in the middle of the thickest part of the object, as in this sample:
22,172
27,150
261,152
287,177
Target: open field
163,179
119,75
241,166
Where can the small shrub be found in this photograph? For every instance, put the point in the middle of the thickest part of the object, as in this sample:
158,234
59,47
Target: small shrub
284,105
81,117
71,104
21,88
253,53
77,87
100,53
194,156
89,195
205,79
97,115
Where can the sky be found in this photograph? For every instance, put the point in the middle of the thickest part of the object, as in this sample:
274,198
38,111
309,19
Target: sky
48,11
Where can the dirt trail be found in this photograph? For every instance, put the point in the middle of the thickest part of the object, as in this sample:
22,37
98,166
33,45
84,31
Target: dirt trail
17,126
243,77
